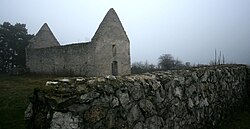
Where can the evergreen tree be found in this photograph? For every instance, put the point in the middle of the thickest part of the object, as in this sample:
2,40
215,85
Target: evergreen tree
13,40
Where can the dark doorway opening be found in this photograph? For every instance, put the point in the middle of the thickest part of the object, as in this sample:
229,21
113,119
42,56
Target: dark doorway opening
114,68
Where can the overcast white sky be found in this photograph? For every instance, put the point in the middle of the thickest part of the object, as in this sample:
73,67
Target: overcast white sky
190,30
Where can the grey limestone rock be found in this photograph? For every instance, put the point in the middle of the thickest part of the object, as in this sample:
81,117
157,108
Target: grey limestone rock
138,125
154,122
95,114
178,92
136,91
88,97
123,97
135,115
65,121
147,107
190,103
28,112
78,107
115,102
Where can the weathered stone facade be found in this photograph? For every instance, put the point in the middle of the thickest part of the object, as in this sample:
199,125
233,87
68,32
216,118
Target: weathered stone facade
178,99
108,53
44,38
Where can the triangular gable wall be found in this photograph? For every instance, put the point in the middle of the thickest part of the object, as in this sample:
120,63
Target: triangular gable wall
110,28
44,38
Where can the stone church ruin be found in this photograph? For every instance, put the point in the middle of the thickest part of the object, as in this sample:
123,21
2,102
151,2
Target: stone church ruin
107,53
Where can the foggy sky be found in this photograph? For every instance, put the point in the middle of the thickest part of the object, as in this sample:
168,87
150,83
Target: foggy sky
190,30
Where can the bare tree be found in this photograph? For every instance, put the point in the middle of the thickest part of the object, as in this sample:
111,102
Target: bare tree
167,61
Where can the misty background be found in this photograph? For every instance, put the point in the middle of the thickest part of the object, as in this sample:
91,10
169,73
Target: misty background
190,30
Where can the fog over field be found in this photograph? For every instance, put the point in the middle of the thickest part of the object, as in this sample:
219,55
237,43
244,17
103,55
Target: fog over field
190,30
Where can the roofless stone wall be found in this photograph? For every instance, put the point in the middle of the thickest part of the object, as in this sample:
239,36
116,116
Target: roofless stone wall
195,98
107,53
74,59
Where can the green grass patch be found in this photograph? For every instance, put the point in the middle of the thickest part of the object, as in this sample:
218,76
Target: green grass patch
14,94
237,120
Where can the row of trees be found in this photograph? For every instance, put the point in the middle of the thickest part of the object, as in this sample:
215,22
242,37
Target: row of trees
166,62
13,40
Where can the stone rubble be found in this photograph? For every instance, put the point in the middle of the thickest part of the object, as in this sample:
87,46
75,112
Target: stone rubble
191,99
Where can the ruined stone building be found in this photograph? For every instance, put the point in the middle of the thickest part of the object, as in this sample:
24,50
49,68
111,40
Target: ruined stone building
107,53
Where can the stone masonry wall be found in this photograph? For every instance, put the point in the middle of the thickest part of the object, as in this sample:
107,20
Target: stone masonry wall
111,45
74,59
107,53
177,99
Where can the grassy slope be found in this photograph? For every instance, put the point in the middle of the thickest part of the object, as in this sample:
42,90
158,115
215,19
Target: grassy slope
15,90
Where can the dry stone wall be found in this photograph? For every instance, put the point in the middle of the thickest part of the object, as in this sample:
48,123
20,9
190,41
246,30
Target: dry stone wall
177,99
